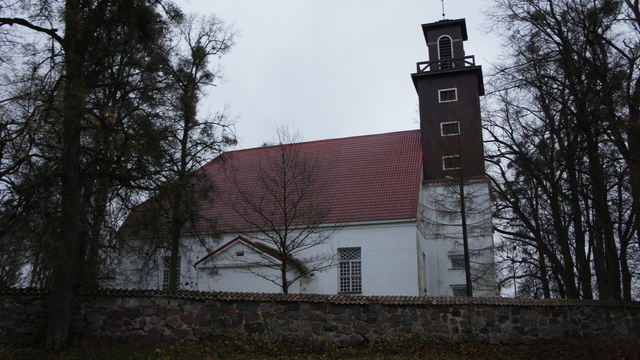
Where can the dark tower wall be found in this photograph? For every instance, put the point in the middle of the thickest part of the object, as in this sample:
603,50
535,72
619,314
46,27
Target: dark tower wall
448,152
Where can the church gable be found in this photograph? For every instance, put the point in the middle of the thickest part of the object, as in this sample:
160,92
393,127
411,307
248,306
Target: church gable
241,252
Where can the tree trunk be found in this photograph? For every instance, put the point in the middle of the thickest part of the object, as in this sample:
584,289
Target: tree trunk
544,280
95,203
174,246
603,225
283,274
188,108
66,268
633,136
582,263
627,277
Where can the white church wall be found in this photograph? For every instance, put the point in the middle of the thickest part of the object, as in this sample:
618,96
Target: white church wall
240,279
389,264
388,260
440,228
236,269
142,264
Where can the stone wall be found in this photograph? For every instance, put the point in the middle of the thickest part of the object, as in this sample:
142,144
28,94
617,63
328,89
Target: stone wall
343,320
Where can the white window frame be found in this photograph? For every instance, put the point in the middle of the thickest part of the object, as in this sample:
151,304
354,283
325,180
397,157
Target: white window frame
166,273
454,259
450,44
445,63
444,162
455,97
449,123
459,290
350,272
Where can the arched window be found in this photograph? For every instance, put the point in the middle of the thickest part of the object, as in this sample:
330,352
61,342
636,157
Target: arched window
445,52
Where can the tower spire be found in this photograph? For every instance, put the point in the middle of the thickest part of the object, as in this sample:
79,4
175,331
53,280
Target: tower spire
442,9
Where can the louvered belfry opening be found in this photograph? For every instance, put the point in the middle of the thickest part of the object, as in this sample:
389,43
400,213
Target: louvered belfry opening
445,50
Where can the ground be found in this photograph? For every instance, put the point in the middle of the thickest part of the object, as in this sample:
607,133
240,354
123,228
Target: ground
257,349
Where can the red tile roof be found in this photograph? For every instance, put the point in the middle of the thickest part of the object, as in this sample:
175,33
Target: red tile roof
363,178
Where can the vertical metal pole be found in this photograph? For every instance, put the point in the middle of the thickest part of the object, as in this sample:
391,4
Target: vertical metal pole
513,264
465,239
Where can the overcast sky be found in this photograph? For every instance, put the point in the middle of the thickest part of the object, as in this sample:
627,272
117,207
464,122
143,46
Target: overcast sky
330,68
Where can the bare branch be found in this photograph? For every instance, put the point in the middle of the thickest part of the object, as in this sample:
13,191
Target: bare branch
53,33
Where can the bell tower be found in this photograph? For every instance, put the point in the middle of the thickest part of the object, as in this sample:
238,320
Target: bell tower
449,87
454,212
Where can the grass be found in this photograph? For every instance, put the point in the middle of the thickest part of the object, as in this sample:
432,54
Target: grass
258,349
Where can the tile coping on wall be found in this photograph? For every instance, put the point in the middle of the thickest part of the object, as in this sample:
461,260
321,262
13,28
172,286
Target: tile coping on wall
334,299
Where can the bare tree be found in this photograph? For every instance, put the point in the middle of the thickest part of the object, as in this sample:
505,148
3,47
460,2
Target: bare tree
162,222
88,88
192,140
565,144
284,209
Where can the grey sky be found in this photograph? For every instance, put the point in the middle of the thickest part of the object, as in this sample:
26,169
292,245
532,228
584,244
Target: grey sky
330,68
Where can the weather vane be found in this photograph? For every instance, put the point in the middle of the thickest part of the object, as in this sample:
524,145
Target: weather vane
442,9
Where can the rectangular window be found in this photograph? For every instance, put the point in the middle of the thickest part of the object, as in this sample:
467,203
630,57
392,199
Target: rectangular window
457,261
448,95
450,128
166,272
459,290
452,162
350,268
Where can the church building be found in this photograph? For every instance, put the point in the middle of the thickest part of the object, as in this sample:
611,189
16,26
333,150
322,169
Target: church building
403,213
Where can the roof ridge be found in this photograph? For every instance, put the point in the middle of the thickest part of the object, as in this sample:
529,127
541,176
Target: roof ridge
321,140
